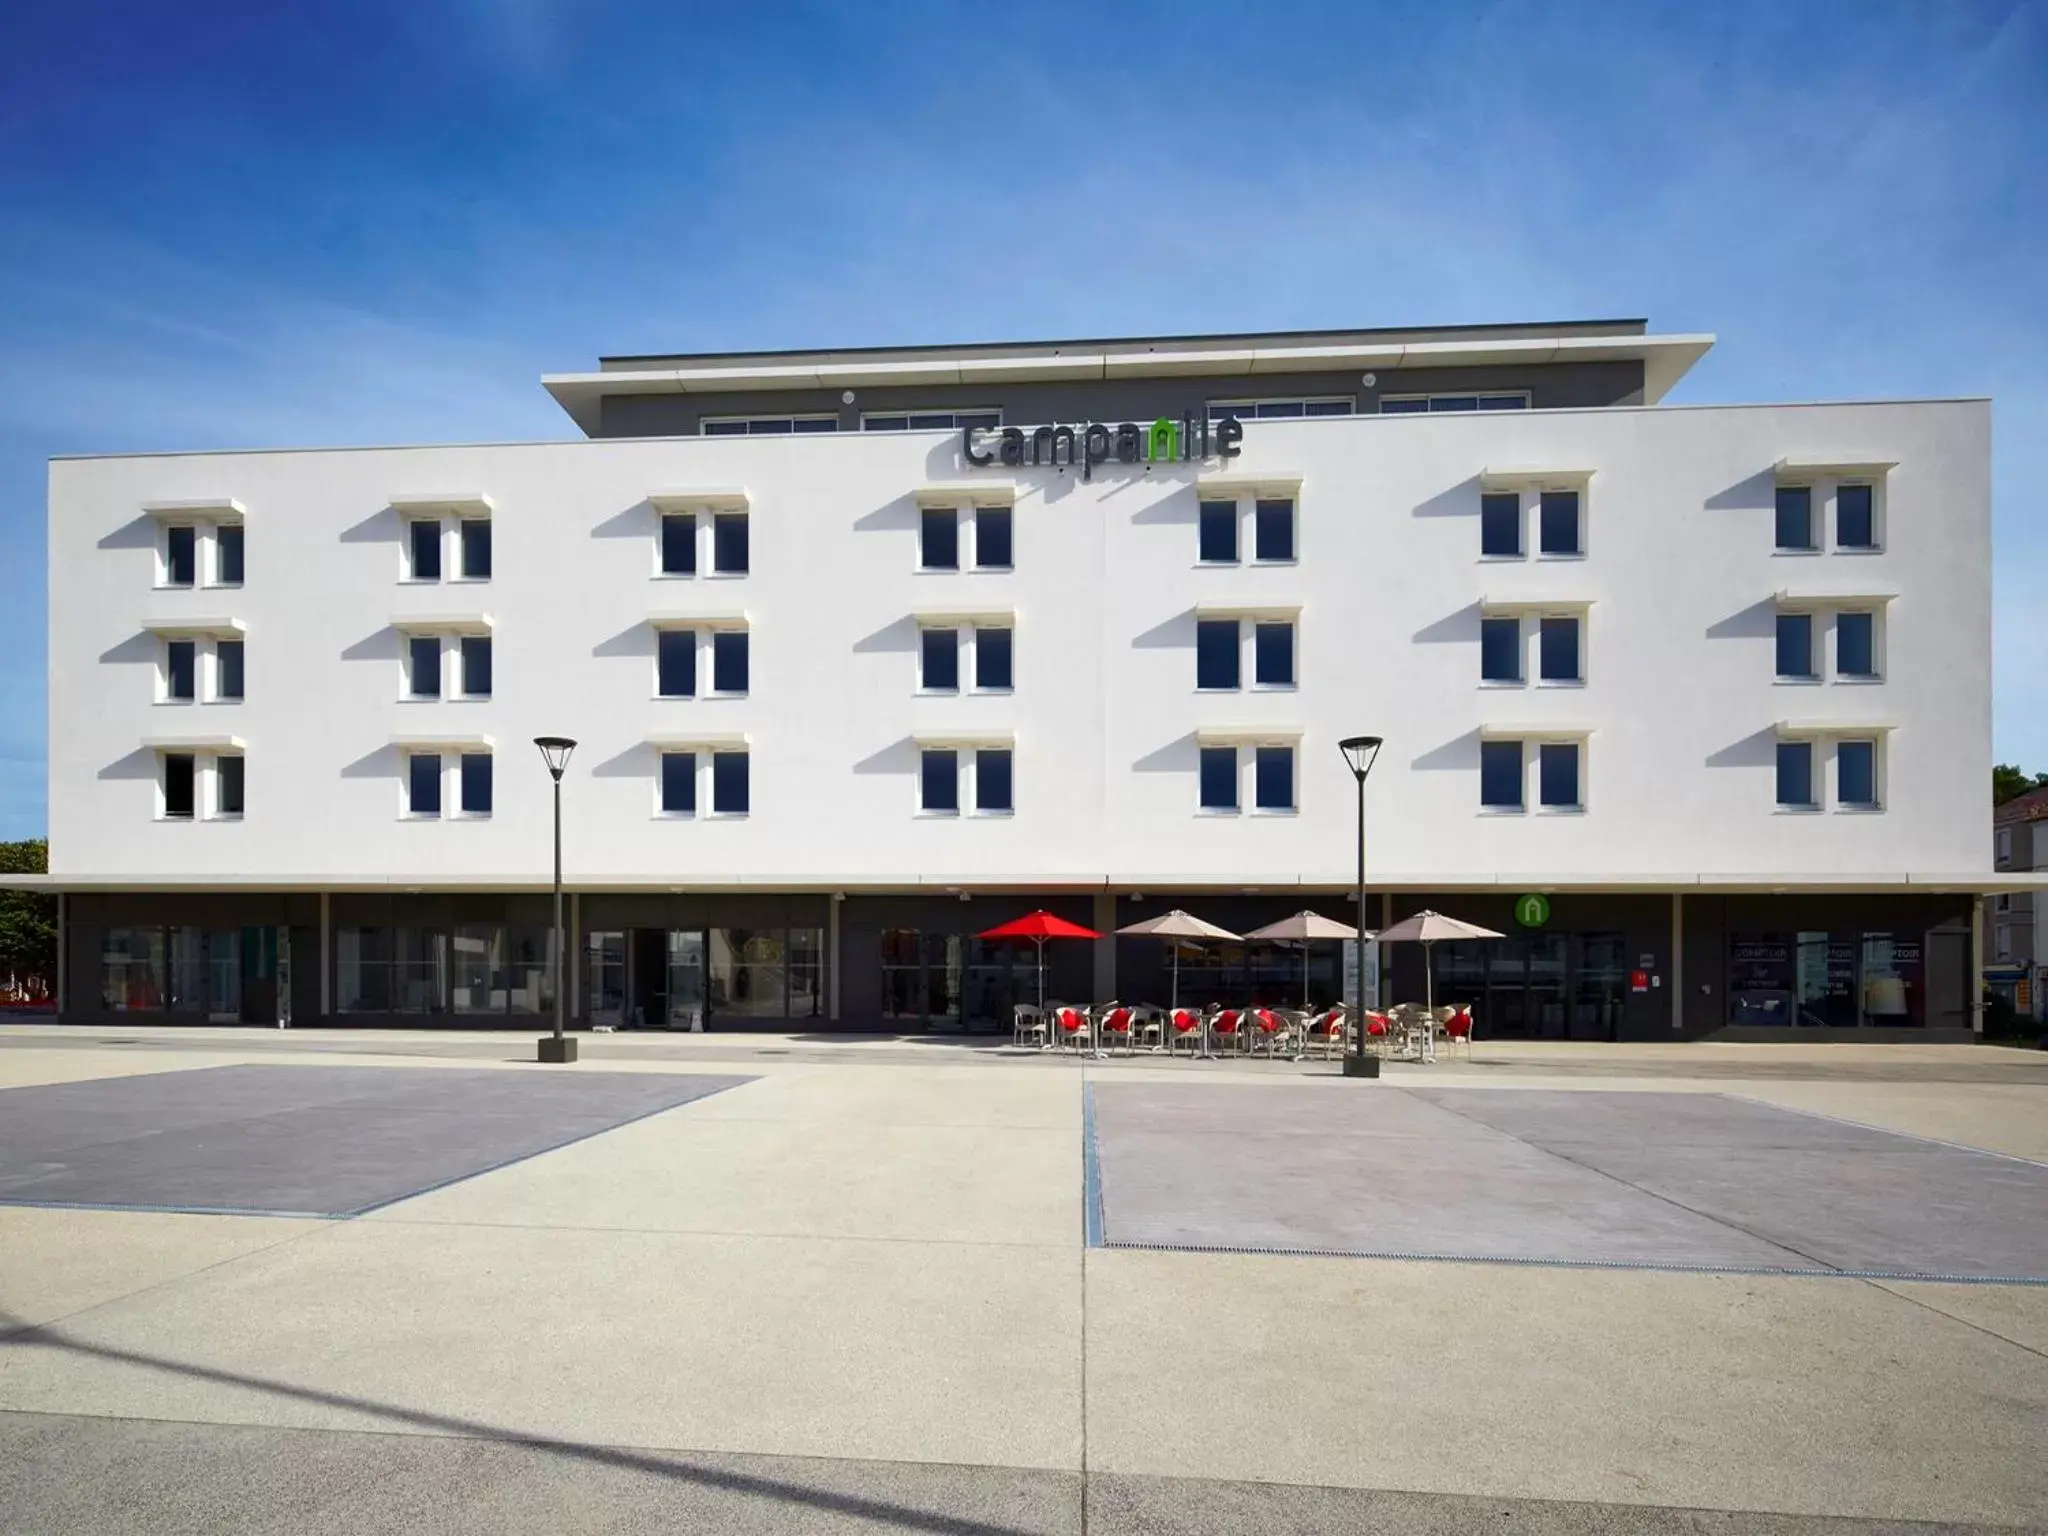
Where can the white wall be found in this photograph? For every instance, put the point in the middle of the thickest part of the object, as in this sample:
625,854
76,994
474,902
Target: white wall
1679,570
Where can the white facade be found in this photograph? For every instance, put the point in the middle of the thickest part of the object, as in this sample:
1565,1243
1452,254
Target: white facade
1680,711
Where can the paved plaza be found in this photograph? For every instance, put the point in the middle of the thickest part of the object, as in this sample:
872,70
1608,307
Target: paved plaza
332,1282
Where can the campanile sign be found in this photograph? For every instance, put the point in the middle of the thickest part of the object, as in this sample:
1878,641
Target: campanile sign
1165,441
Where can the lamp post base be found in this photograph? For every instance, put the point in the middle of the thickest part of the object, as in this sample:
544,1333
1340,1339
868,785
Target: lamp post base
1361,1066
557,1050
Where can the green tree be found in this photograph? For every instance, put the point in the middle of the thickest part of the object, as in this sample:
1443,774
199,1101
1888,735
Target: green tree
28,919
2009,782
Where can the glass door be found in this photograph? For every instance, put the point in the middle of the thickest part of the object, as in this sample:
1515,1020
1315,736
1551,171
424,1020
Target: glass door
685,978
1599,986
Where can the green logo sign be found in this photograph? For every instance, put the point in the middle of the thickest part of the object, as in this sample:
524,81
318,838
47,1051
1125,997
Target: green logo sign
1532,910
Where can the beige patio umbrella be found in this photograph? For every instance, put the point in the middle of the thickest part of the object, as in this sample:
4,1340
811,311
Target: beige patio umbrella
1177,925
1302,928
1427,928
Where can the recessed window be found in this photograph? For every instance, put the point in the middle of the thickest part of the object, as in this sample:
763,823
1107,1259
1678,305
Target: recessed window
938,539
729,783
675,663
992,779
424,542
476,548
228,785
992,538
1856,644
1273,528
1557,516
1273,654
1283,409
678,543
1795,775
423,783
766,426
1855,518
679,783
1557,649
227,660
1219,532
940,656
1557,775
1795,517
1273,778
1417,405
939,780
180,777
926,421
1856,775
476,666
1216,653
181,555
181,666
227,555
992,657
729,543
1795,646
1219,778
1500,524
729,661
423,666
476,783
1500,775
1500,650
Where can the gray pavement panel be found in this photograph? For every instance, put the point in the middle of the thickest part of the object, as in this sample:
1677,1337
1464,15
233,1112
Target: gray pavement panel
306,1141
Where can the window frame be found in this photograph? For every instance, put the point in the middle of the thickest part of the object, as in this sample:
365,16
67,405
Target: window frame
466,546
1873,640
1545,622
467,648
1009,756
1873,747
414,528
684,640
982,418
1499,623
1872,489
726,643
1811,674
222,811
744,757
1207,753
1262,628
926,634
687,758
794,424
475,771
416,646
414,779
1499,748
1264,753
1804,747
1203,523
683,525
189,772
1521,524
1260,408
1261,506
1544,752
723,520
174,647
1525,401
1214,626
1543,523
219,576
930,758
222,650
929,521
1008,647
168,553
1812,541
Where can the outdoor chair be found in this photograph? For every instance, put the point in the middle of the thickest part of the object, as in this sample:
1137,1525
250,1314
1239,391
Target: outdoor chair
1150,1027
1071,1024
1271,1031
1184,1027
1458,1030
1027,1025
1328,1027
1119,1022
1227,1026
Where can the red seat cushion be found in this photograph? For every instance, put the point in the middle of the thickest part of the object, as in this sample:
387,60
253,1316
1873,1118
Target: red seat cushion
1375,1024
1226,1023
1185,1019
1118,1021
1070,1018
1269,1021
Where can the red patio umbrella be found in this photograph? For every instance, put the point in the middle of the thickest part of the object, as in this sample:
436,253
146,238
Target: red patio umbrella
1039,926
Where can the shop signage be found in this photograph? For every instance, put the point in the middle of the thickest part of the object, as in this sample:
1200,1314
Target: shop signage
1639,981
1532,910
1187,440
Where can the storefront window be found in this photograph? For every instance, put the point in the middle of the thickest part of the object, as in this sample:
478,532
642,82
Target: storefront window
1894,979
530,971
1827,980
186,951
806,973
605,972
393,970
224,975
132,969
749,973
479,965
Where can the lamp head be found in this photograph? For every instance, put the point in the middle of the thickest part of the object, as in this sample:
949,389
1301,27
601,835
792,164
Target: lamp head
1360,752
554,751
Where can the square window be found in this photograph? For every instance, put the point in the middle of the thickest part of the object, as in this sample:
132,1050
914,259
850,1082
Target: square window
1219,778
729,661
181,557
1500,775
423,658
992,538
938,780
227,555
1216,653
1795,775
425,537
679,783
992,656
423,783
1558,523
1500,650
1795,517
1273,529
1856,775
1500,524
1855,522
938,539
678,543
476,548
1273,778
992,768
729,543
1795,645
1273,655
476,783
1855,645
729,783
1557,774
1557,648
941,655
228,784
675,663
180,668
1219,532
227,657
179,776
476,666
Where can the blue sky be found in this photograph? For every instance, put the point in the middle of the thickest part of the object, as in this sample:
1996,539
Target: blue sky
252,225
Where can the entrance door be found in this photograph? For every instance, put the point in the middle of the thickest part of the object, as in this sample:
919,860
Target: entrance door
258,1004
648,982
685,978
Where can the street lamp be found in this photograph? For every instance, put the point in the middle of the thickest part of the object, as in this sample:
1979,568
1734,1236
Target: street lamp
1360,753
554,751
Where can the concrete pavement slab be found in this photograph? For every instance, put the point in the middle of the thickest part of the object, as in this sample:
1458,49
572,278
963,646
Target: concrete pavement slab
971,1095
2018,1313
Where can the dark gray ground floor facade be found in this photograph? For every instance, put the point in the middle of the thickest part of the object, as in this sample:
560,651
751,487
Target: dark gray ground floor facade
1597,966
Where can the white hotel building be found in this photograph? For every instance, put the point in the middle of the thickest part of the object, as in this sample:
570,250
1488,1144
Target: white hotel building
849,688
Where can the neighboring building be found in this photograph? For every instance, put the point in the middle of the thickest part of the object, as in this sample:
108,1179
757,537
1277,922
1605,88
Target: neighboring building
869,650
2018,919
